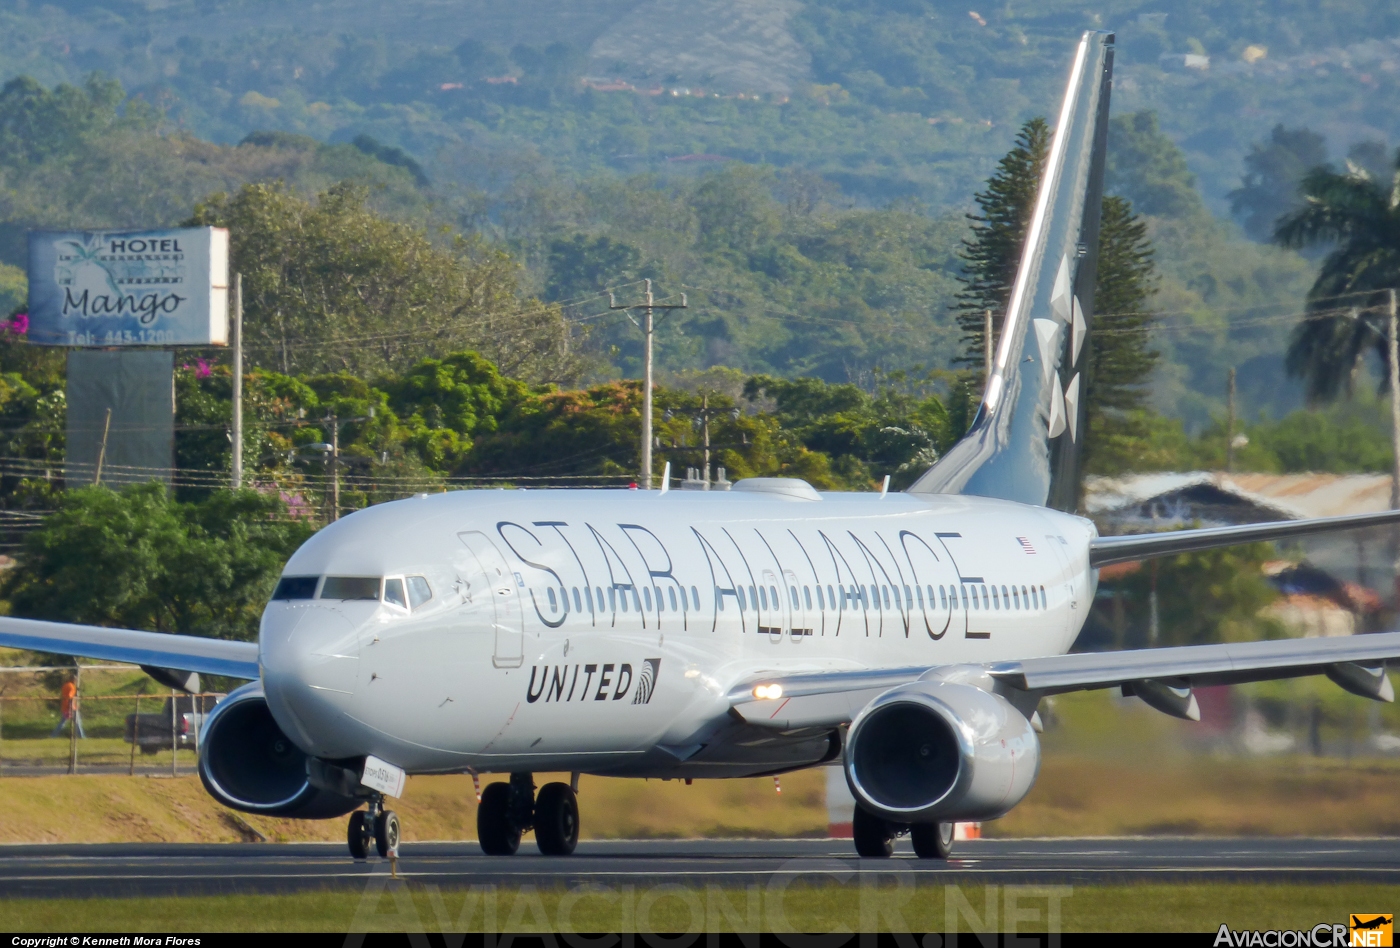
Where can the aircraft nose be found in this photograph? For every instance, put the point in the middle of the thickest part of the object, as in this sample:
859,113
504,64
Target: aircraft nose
310,663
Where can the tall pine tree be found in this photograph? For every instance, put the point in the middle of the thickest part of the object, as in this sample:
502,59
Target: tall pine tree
991,254
1121,357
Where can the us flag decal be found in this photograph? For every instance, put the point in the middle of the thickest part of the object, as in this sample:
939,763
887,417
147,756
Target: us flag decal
1026,545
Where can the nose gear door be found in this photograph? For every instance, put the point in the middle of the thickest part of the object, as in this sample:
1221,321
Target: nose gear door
493,591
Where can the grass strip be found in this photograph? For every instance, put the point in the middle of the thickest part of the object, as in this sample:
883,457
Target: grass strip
404,905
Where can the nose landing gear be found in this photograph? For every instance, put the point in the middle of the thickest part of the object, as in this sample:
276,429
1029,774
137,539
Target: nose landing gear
508,810
373,826
874,837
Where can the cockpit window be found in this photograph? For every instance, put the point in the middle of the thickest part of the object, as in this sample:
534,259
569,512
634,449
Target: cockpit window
393,592
296,587
350,587
418,591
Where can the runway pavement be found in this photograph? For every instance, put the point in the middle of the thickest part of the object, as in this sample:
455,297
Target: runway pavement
66,871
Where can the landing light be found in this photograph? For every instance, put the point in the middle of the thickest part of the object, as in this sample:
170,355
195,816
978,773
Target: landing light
768,692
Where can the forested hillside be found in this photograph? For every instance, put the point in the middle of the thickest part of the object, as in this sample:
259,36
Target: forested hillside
799,170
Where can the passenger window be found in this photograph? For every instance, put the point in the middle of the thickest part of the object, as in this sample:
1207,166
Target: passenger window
739,594
1005,598
672,594
719,600
807,596
763,596
636,599
553,601
393,592
660,604
910,599
695,595
419,591
896,598
612,600
648,595
821,600
296,587
830,598
795,603
578,601
350,587
753,596
942,598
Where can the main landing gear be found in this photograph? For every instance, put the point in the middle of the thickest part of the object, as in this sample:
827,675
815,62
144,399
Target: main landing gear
374,826
508,810
874,836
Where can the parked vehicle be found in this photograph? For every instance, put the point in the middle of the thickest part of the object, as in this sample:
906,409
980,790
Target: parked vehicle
151,731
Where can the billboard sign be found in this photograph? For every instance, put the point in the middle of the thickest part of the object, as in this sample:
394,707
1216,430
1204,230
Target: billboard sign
129,287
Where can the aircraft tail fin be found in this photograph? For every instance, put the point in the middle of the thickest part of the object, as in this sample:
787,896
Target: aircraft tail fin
1024,444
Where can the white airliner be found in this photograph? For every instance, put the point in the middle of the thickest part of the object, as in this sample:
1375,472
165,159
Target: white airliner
681,634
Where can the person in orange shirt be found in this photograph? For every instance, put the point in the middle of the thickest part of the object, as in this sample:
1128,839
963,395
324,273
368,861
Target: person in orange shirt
68,709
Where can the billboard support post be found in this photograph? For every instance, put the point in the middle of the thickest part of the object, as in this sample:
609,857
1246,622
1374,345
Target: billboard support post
237,340
102,450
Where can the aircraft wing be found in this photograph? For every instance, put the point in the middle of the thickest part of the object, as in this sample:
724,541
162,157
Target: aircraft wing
1106,550
829,699
153,649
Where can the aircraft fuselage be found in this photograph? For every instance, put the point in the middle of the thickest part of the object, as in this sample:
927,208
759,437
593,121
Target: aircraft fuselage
600,630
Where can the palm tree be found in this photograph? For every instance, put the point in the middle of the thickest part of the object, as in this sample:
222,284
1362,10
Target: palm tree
1347,305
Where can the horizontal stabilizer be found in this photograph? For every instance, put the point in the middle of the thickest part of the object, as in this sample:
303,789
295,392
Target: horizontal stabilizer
157,649
1106,550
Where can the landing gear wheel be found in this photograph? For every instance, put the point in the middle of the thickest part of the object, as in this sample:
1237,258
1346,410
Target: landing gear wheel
932,840
495,831
874,838
359,834
556,819
386,833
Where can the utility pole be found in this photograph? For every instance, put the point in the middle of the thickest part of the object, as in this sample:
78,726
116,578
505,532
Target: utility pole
1230,422
237,434
335,468
1394,439
102,449
647,327
987,346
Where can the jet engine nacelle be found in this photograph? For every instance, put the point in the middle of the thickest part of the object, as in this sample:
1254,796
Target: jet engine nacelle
248,764
940,751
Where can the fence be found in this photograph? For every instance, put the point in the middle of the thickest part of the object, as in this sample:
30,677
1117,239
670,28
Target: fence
154,733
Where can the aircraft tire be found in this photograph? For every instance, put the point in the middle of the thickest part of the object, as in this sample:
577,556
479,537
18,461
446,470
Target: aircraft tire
386,833
495,831
556,819
874,838
932,840
358,834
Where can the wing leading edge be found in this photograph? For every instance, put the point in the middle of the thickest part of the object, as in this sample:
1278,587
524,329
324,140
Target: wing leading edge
829,699
1106,550
155,649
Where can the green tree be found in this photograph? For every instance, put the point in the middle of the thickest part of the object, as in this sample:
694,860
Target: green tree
1121,357
1145,166
1206,597
330,285
992,253
1272,173
865,437
1359,215
139,559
